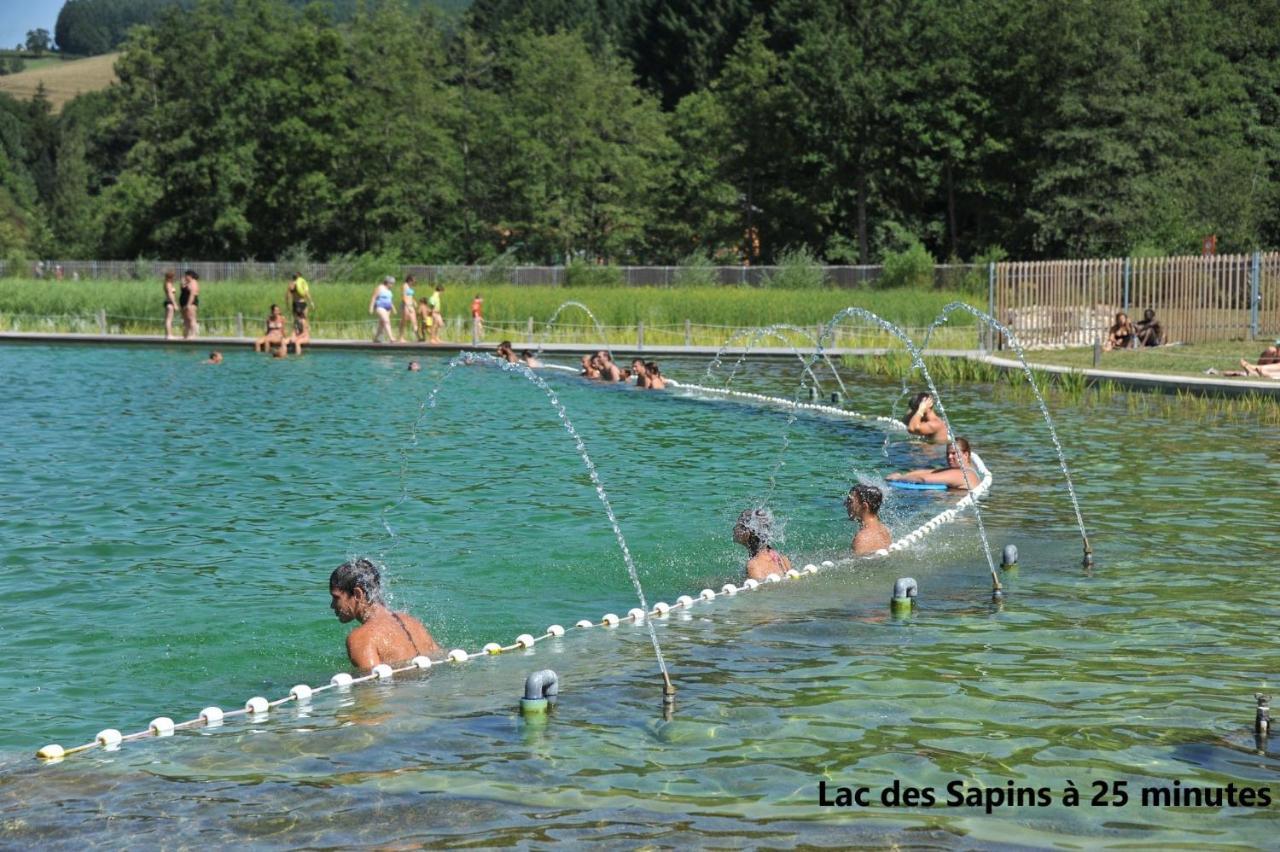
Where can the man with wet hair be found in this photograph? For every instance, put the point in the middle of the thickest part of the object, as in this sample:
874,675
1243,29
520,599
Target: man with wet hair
355,590
863,505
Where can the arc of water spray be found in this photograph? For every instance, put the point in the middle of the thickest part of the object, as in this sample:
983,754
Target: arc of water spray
773,331
917,362
546,332
991,321
469,358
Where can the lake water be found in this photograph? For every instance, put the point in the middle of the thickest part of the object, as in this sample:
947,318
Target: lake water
168,529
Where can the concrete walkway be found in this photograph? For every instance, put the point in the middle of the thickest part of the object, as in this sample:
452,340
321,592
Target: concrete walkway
1202,385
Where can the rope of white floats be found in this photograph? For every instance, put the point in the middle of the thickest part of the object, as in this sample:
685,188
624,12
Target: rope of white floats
258,707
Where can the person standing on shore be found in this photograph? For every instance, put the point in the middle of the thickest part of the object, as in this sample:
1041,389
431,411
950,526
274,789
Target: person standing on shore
189,302
408,310
436,317
170,303
477,318
382,302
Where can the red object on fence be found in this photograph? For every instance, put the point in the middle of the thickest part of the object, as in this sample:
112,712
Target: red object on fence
1209,246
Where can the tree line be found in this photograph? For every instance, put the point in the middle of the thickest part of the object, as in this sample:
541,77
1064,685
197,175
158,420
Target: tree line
654,131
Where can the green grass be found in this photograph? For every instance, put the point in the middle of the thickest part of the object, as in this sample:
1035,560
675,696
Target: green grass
1189,359
342,310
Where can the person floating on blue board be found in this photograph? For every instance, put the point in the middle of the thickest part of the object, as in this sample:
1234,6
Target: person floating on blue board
863,505
959,474
383,636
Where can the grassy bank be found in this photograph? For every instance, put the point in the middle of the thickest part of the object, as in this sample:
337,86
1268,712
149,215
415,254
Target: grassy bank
1073,389
713,313
1189,359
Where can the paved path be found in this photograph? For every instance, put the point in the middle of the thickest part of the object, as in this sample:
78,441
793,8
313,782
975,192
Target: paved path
1204,385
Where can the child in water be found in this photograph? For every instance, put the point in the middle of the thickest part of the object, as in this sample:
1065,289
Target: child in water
754,531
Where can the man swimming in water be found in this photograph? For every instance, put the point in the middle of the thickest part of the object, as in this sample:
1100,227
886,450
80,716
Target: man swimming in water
959,473
863,505
383,636
754,531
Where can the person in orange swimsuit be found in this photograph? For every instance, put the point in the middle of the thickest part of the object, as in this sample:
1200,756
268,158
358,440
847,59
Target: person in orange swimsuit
754,531
355,589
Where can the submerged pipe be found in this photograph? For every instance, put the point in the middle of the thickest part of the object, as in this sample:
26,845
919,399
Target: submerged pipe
1009,559
541,688
905,591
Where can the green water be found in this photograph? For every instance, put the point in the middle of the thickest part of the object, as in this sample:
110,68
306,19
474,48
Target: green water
168,529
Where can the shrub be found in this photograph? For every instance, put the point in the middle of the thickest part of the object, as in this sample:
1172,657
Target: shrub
696,269
579,273
976,281
797,269
910,267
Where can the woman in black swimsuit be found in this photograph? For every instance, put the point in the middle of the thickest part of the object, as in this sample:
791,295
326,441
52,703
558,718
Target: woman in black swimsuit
189,301
169,305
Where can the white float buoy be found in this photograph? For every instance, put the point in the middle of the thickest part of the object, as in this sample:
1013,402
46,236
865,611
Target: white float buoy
707,595
257,704
882,552
421,662
524,640
636,614
586,622
492,648
457,655
211,715
341,680
161,726
729,589
685,601
52,752
662,608
773,578
557,630
610,620
301,693
382,671
751,584
108,738
826,563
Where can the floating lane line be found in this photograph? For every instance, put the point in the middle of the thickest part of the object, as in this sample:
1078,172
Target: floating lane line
259,707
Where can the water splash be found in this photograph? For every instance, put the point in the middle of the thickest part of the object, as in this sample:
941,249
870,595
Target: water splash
917,362
472,358
776,332
991,321
546,328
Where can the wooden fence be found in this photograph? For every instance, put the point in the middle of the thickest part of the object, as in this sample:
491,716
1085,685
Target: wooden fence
1196,299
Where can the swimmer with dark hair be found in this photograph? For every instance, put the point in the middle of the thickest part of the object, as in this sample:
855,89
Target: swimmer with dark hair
355,590
863,505
754,531
959,474
215,357
589,370
506,353
526,358
656,381
414,366
923,421
638,370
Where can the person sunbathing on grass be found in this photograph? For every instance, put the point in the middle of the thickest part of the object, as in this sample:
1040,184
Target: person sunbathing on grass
1265,366
959,474
355,592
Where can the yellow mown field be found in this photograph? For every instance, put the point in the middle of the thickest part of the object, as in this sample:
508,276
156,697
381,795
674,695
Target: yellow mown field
63,81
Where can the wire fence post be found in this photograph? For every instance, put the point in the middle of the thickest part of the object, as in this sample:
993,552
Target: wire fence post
529,330
239,324
1128,277
1255,295
102,321
640,334
987,333
688,332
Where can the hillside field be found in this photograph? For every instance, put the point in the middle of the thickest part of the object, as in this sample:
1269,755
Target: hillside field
63,80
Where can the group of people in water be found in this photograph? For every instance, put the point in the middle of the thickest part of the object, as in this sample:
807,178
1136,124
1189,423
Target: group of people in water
601,367
384,636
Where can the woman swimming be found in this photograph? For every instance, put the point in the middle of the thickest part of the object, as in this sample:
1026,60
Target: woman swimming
923,421
655,381
754,531
506,353
408,309
382,302
274,337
